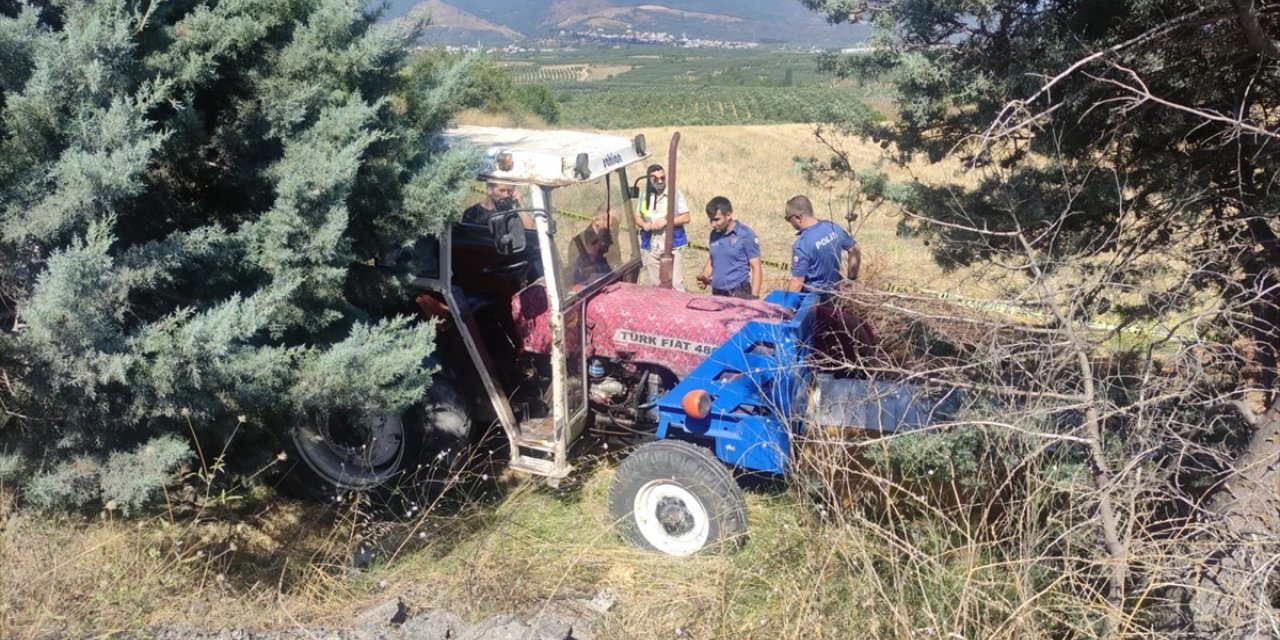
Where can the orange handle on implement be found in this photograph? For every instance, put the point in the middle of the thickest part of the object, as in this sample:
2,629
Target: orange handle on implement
667,263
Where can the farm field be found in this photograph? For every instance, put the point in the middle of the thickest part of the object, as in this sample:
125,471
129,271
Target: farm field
754,166
616,88
616,107
654,66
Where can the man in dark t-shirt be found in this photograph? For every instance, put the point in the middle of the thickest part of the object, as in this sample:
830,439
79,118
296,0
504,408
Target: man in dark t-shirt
498,199
818,249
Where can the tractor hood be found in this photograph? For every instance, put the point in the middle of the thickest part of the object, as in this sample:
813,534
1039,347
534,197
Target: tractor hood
672,329
665,327
625,321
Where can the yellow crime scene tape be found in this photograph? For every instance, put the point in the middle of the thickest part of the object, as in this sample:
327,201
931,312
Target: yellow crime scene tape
1007,308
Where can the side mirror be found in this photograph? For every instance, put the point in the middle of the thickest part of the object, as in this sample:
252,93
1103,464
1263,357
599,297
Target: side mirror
508,233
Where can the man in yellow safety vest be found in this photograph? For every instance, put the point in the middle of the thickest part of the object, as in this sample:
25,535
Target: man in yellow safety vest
651,220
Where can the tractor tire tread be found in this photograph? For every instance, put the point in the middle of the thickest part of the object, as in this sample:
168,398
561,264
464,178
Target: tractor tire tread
692,466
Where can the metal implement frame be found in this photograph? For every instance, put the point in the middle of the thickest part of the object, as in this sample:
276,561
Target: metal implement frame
757,383
763,391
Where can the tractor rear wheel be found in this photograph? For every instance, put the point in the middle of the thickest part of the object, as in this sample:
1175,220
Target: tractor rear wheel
341,452
677,498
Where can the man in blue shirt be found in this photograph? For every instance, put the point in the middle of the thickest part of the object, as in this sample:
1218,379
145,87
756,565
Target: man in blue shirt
733,268
819,245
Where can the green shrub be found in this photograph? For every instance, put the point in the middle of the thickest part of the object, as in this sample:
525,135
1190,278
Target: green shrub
124,480
184,188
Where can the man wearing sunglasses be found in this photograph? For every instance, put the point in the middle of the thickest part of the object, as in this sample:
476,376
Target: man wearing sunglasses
818,249
651,220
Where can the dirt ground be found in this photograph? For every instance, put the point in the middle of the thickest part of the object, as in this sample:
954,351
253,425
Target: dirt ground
393,619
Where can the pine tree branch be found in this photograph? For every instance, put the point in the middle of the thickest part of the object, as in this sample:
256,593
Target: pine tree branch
1004,123
1254,33
1143,94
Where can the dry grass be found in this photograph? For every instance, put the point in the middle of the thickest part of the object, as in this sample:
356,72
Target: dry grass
486,119
754,167
71,576
536,549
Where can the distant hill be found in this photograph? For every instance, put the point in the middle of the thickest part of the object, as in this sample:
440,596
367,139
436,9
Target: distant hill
449,23
506,21
642,17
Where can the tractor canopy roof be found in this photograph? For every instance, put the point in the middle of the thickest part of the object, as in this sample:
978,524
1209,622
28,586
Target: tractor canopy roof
548,158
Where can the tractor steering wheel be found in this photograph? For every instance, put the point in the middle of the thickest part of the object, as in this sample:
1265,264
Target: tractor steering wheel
505,268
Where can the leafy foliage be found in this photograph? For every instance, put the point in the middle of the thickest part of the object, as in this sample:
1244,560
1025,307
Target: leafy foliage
126,480
1145,117
489,86
184,188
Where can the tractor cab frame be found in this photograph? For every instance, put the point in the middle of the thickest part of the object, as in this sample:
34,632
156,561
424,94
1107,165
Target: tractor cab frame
490,277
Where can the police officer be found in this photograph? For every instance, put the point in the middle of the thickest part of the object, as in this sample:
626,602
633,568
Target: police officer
733,268
818,248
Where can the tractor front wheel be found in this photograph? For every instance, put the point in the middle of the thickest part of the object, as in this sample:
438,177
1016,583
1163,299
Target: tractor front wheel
677,498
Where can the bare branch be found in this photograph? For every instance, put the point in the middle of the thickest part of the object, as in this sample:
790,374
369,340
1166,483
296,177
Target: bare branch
1142,94
1004,123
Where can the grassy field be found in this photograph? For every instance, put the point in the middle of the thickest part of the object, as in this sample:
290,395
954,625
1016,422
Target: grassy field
653,66
614,107
644,87
521,549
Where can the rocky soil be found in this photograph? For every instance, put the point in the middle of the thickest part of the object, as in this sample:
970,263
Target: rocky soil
394,620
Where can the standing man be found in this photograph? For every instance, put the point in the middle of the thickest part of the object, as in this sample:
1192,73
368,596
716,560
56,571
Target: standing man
819,245
651,220
498,198
733,268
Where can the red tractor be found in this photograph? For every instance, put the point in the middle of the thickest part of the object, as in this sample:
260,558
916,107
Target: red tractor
545,330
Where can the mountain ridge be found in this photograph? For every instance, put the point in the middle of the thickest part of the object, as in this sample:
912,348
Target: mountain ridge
497,22
442,15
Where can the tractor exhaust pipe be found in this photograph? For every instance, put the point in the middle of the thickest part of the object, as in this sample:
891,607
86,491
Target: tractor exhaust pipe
667,263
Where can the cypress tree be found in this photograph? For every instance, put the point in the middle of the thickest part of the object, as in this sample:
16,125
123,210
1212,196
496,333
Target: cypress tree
186,189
